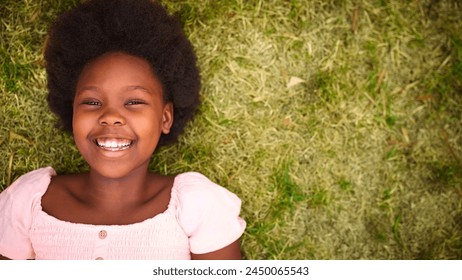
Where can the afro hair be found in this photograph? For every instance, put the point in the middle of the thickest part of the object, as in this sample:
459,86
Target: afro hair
142,28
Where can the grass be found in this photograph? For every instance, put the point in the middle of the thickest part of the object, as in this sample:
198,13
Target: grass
338,123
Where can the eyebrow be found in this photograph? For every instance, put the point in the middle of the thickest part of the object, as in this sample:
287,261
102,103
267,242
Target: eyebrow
127,88
138,88
87,88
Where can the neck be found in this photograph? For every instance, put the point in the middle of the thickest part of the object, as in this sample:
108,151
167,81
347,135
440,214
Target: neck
121,192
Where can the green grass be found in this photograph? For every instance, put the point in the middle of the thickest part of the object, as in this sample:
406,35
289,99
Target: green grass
338,123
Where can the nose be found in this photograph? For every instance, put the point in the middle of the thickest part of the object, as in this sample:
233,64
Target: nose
111,116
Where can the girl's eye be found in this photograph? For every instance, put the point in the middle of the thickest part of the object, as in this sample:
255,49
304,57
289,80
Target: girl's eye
135,102
92,103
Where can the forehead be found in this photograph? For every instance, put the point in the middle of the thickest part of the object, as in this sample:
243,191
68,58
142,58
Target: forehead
118,69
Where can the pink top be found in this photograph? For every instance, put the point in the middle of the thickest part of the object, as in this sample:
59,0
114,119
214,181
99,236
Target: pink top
201,217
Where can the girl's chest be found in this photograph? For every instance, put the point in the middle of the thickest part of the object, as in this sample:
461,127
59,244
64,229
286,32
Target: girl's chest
157,238
72,203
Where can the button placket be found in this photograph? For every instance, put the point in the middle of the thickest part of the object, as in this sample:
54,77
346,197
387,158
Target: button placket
102,234
101,245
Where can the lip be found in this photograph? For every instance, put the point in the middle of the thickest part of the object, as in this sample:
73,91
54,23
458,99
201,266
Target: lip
113,143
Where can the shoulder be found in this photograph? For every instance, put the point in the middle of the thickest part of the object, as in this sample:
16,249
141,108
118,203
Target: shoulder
31,184
192,181
19,203
194,187
207,212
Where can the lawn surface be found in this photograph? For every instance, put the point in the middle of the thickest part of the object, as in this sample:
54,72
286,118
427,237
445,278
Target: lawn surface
338,123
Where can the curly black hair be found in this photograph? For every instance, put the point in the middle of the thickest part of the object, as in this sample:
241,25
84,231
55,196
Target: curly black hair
142,28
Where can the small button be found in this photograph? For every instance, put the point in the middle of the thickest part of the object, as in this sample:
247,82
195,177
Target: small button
102,234
99,258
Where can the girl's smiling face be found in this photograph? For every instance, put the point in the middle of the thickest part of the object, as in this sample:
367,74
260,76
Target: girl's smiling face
119,114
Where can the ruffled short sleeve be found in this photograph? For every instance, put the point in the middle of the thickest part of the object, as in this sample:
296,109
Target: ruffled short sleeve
207,212
18,205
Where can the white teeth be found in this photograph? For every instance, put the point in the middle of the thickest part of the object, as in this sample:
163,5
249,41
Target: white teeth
113,144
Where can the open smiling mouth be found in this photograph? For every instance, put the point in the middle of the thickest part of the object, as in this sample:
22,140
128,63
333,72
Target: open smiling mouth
113,144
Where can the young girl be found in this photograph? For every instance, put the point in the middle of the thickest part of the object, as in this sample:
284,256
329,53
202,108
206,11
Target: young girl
122,77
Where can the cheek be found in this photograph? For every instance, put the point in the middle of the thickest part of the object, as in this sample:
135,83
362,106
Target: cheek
148,128
80,126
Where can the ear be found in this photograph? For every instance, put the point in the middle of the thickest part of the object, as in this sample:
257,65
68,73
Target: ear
167,118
